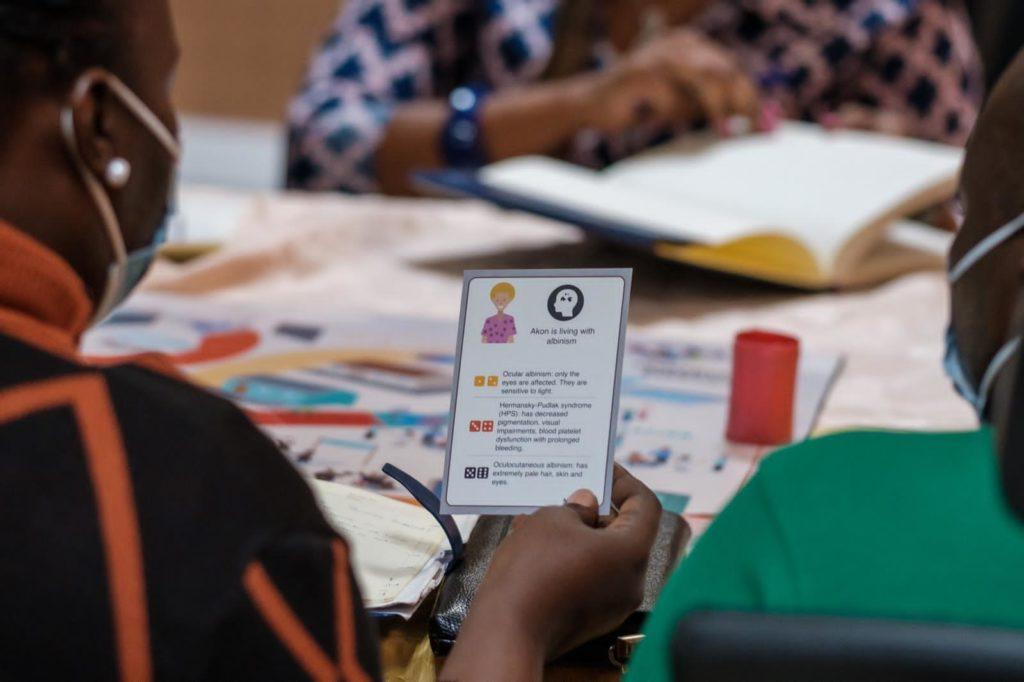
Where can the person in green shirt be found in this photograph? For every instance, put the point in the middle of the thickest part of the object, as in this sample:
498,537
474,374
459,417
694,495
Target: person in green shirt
881,524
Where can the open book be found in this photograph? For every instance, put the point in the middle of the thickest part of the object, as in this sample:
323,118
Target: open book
800,206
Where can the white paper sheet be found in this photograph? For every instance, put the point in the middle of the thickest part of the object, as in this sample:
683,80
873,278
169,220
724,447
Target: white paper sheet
391,542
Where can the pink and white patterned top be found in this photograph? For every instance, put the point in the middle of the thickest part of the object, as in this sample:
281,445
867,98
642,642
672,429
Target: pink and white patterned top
499,328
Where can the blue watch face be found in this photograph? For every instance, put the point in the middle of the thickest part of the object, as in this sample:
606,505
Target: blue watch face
463,99
465,131
461,143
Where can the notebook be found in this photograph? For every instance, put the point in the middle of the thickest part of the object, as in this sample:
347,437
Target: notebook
800,206
396,547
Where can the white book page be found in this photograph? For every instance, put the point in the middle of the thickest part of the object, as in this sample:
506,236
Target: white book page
920,237
392,542
598,194
818,186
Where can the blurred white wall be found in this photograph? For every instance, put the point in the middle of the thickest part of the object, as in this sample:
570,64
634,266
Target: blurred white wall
233,152
241,62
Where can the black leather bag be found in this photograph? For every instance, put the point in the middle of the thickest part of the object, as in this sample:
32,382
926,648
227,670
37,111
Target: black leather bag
456,592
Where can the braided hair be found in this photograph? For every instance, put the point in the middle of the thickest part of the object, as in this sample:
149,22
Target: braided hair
45,44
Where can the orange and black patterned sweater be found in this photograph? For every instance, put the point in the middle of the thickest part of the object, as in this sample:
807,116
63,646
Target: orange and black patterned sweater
149,530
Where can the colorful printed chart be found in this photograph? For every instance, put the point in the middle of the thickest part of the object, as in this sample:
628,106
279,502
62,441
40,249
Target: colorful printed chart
342,397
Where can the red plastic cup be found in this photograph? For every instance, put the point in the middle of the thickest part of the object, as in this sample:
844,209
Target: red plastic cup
763,388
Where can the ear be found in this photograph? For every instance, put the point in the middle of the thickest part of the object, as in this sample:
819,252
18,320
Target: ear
92,111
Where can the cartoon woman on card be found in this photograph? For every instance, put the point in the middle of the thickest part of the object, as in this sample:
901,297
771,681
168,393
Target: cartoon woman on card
500,328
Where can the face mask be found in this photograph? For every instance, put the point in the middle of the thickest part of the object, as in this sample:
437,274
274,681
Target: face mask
124,274
953,362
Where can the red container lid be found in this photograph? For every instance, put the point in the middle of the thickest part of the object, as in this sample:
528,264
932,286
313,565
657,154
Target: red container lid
764,372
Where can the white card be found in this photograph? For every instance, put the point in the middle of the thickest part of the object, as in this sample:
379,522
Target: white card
536,394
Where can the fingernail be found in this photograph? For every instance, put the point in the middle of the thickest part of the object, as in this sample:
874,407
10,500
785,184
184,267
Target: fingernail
584,498
830,120
771,114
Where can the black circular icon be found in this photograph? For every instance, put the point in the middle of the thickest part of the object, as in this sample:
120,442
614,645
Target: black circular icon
565,303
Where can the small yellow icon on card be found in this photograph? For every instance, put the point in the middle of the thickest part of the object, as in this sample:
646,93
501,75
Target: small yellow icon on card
478,380
492,380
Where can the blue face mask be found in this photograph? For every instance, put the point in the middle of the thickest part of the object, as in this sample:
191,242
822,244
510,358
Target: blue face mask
127,270
137,264
977,394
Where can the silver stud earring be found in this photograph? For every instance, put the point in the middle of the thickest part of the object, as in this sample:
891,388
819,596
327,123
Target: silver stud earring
118,172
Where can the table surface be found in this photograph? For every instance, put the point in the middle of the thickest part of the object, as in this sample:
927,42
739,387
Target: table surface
406,257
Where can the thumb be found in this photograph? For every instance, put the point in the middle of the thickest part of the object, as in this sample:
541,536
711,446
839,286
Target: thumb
584,503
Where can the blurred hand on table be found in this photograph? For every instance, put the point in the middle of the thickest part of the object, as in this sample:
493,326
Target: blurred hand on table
681,77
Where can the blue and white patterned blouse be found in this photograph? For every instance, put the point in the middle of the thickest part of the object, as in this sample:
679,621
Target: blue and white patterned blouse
915,57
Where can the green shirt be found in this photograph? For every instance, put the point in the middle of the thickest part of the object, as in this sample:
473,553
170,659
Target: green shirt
875,524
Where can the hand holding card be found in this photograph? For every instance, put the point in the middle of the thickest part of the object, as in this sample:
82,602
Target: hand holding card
537,377
559,579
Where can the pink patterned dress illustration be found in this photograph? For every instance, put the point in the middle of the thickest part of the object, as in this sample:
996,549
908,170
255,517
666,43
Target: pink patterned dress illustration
500,328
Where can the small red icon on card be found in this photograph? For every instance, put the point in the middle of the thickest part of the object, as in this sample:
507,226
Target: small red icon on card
474,426
488,426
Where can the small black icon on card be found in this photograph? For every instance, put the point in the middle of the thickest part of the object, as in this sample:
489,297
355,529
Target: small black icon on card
565,303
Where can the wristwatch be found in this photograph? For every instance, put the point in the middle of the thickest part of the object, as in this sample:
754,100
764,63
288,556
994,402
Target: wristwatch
462,136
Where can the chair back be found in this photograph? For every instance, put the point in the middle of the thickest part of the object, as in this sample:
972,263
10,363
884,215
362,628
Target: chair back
737,647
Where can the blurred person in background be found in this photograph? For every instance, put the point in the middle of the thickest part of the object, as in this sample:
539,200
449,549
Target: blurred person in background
406,85
881,524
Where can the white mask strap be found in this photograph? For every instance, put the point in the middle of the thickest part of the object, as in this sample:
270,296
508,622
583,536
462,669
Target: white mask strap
105,207
982,248
144,114
103,203
998,361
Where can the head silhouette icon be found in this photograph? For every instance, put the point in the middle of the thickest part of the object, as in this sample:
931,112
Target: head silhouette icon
565,303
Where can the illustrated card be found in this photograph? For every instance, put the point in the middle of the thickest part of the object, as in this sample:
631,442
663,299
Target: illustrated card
537,376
